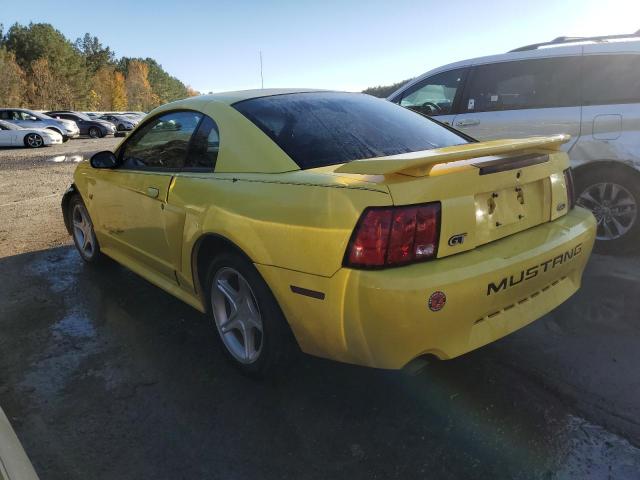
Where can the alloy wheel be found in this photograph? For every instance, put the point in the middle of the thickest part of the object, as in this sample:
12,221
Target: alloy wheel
614,207
83,231
237,315
34,140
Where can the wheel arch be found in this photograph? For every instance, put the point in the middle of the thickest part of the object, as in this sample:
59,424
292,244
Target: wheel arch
66,198
55,130
608,164
204,250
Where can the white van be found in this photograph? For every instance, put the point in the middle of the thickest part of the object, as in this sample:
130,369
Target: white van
586,87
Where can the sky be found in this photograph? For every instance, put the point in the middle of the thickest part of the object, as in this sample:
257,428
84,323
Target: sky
343,45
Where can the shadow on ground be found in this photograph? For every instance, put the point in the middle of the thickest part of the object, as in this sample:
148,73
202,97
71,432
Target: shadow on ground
105,376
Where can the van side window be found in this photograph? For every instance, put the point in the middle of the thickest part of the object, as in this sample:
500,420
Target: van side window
544,83
435,95
610,79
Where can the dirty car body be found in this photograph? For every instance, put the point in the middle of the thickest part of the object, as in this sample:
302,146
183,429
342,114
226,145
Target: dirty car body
382,235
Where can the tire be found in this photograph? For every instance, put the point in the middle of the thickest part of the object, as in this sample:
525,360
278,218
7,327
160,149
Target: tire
256,320
120,128
613,195
33,140
95,132
84,237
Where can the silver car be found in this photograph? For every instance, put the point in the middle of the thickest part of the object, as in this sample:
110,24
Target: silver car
31,119
586,87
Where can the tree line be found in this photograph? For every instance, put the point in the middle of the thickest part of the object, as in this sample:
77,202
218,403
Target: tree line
386,90
43,70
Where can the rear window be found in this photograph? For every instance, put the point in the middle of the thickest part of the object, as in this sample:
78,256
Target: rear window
327,128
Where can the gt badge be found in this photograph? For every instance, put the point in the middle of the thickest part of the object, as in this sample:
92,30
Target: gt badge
456,239
437,301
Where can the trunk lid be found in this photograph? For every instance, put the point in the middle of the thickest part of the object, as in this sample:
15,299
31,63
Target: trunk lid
487,190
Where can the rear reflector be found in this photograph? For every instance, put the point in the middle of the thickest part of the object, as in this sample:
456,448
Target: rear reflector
391,236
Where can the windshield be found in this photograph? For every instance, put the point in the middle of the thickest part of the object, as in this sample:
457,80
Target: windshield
326,128
82,116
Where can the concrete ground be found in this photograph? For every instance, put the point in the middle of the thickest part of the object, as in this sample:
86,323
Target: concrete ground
104,376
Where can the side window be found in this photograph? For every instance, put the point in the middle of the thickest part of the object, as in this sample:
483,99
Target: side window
27,116
162,143
544,83
203,152
5,115
610,79
435,95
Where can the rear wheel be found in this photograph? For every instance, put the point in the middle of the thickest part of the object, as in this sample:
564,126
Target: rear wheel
84,236
94,132
33,140
252,329
613,195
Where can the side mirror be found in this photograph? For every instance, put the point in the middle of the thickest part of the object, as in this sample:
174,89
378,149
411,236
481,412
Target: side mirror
104,159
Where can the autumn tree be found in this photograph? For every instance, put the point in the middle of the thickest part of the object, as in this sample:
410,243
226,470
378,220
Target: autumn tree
43,88
139,93
119,92
13,80
38,41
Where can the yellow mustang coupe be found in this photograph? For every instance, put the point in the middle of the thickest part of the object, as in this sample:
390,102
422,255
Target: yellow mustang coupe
359,230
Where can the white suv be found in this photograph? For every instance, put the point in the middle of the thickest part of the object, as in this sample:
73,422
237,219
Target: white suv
587,87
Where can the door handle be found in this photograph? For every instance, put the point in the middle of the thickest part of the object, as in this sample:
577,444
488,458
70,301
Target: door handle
153,192
467,123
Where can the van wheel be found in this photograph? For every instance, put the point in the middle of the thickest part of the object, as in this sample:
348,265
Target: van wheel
251,327
613,195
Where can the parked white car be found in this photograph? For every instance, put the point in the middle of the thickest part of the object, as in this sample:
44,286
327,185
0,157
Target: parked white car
586,87
14,136
32,119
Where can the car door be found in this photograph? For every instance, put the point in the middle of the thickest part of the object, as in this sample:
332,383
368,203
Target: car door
437,96
129,203
7,136
522,98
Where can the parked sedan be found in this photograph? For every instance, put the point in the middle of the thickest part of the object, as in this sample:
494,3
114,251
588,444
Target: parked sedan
13,136
95,128
31,119
361,230
121,122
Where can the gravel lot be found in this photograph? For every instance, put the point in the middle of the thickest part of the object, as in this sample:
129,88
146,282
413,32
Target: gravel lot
32,183
105,376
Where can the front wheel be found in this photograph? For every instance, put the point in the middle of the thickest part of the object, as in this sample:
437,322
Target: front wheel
94,132
251,327
33,140
84,236
613,196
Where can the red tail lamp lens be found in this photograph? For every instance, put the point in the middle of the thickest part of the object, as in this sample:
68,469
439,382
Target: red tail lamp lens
391,236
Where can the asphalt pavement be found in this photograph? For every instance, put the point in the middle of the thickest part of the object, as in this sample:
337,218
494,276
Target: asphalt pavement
105,376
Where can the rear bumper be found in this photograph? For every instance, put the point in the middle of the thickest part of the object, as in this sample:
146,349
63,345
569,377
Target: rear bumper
382,318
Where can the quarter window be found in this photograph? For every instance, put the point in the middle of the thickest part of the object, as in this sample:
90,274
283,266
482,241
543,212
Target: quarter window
544,83
436,95
162,143
610,79
203,152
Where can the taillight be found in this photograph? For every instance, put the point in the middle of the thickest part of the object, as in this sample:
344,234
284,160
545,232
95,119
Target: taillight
571,193
390,236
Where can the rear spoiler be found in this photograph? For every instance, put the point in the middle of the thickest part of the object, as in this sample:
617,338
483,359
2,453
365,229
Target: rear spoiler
419,164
